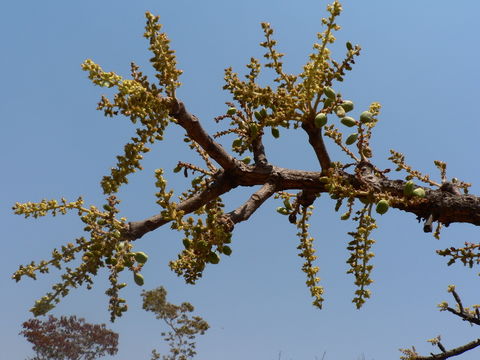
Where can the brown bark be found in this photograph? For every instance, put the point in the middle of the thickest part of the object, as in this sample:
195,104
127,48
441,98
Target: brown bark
440,204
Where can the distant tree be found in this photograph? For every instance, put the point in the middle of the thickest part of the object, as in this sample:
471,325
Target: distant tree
69,338
183,328
307,102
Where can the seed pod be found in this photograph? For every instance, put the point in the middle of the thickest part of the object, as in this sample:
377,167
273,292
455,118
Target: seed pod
227,250
351,139
138,278
328,91
231,111
340,111
253,130
202,244
275,132
213,258
347,105
128,261
364,200
141,257
366,117
246,160
348,121
286,203
320,120
382,206
418,192
237,143
327,102
408,189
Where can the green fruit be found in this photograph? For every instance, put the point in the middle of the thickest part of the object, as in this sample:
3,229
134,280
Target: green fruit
187,243
263,113
253,130
382,207
128,262
324,179
340,111
213,258
202,244
408,189
348,121
231,111
328,91
275,132
320,120
345,216
418,192
237,143
227,250
366,117
258,115
349,45
101,222
347,105
282,210
287,204
364,200
351,139
327,102
177,169
107,207
141,257
246,160
138,278
121,285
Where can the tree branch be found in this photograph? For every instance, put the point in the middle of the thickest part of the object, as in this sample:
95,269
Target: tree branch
316,140
223,183
196,132
450,353
448,208
259,152
243,212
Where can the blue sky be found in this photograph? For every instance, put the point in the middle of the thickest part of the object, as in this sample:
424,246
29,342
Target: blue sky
419,60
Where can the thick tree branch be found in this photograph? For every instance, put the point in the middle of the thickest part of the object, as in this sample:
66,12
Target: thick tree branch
259,156
438,205
243,212
223,183
448,208
196,132
316,140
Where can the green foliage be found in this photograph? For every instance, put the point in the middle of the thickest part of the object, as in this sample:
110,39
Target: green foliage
308,253
183,327
204,241
305,100
360,254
